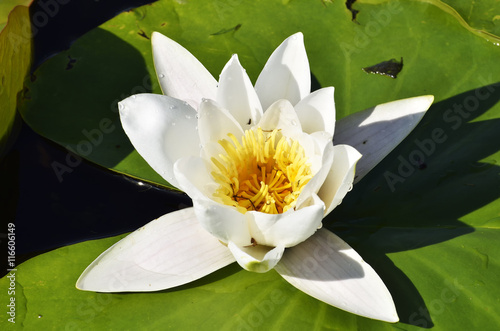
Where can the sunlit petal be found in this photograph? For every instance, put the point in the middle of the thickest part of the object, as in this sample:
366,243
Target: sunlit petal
340,178
314,185
193,177
215,123
223,222
151,121
170,251
236,94
328,269
286,74
289,228
316,111
180,74
256,258
281,115
375,132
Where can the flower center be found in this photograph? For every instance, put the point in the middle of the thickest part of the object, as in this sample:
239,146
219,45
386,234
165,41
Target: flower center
266,172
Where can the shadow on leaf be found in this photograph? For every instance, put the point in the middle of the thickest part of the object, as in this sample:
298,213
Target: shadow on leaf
420,193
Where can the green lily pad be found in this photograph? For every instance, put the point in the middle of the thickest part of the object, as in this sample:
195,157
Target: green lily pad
426,218
481,15
15,61
7,6
72,98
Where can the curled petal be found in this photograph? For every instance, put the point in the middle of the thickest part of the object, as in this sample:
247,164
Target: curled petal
340,178
170,251
180,74
215,123
287,229
286,74
223,222
193,175
236,94
152,122
281,115
256,258
375,132
314,185
328,269
317,111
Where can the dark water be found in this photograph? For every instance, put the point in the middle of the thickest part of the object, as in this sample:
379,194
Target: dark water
90,202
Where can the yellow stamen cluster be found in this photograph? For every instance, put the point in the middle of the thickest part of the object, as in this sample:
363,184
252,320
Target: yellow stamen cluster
265,172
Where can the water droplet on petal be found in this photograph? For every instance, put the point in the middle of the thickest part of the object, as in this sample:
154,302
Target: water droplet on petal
121,107
350,188
134,96
188,117
172,107
161,75
293,122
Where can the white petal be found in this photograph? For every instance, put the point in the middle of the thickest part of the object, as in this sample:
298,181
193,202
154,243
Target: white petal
340,178
287,229
256,258
223,222
375,132
180,74
314,148
162,129
317,111
236,94
281,115
215,123
167,252
286,74
328,269
314,185
193,176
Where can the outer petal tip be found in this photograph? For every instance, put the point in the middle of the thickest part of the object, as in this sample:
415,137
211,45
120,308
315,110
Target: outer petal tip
180,73
376,131
170,251
296,36
328,269
286,74
154,36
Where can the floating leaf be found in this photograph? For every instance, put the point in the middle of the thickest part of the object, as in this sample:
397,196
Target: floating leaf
15,61
430,232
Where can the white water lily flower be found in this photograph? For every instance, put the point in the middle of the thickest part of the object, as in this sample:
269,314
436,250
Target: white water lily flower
262,171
